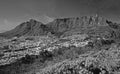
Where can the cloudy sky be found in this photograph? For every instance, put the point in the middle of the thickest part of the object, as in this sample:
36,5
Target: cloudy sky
14,12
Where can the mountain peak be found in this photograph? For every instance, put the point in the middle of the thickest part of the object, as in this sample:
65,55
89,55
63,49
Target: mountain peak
32,20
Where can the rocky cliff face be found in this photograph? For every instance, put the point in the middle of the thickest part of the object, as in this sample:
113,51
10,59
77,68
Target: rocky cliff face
64,24
78,24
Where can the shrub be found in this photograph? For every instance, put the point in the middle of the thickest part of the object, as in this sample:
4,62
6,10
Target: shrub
6,47
29,38
45,55
107,42
28,59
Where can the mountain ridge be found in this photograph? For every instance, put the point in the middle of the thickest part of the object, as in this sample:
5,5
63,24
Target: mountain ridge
59,27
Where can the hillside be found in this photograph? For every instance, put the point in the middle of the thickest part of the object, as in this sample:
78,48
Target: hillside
80,45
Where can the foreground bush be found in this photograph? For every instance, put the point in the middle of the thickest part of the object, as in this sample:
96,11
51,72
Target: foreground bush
104,62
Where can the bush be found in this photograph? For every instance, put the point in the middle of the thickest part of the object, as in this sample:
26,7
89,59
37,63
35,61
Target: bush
45,55
67,52
107,42
6,47
29,38
28,59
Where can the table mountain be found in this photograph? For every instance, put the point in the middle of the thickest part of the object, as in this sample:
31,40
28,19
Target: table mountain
61,27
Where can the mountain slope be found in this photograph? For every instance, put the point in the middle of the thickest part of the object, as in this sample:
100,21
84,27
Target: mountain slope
30,28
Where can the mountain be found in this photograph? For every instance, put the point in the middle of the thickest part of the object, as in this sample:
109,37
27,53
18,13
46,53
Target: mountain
76,24
91,25
29,28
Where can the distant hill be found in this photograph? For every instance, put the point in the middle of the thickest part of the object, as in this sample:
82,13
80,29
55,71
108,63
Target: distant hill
92,25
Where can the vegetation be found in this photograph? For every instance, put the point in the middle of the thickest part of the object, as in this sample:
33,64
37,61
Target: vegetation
90,47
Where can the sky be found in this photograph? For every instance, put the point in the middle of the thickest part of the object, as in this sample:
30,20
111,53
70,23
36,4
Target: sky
14,12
